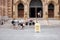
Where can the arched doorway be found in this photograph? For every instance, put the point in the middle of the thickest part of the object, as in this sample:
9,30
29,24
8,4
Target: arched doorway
36,8
51,10
20,10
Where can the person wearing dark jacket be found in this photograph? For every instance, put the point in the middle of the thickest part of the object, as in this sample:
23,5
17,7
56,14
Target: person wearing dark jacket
13,22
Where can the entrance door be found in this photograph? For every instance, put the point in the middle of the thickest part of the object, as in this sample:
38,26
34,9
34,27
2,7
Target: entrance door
32,12
20,10
36,9
39,10
51,11
21,13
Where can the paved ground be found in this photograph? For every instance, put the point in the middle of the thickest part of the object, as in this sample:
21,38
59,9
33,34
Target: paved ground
48,32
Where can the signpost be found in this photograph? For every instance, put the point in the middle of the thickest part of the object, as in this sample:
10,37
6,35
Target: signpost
37,24
37,27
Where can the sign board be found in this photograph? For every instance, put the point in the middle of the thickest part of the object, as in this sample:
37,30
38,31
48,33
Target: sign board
37,27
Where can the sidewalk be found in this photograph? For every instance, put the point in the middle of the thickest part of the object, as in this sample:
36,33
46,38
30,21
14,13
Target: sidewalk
42,22
49,22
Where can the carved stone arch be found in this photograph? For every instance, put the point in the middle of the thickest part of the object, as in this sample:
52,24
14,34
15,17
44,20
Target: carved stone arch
36,9
19,1
51,10
41,1
55,7
53,2
20,9
16,9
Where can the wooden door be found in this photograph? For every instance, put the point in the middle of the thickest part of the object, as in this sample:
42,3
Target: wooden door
21,13
51,13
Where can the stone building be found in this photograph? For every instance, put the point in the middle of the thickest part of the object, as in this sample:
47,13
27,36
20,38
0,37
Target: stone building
30,8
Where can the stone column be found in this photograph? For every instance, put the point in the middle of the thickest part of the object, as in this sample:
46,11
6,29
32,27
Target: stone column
0,7
4,7
15,13
0,11
45,11
13,10
26,11
16,9
56,11
9,8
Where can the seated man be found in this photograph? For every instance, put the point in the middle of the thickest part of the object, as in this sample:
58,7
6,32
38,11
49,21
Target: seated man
30,22
2,21
21,23
13,22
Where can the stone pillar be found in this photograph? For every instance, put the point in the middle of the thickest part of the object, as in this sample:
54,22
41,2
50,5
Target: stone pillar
4,7
0,11
9,8
0,7
56,12
45,11
26,11
15,11
14,8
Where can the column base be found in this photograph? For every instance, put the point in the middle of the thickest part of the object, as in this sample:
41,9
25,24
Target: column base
45,17
56,17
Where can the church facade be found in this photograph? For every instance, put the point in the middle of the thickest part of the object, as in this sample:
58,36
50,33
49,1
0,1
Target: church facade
30,8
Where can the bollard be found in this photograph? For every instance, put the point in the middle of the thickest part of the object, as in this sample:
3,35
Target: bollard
37,27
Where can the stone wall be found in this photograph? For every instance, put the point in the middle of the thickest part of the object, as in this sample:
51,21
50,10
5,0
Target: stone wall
59,8
10,10
0,7
6,8
45,7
